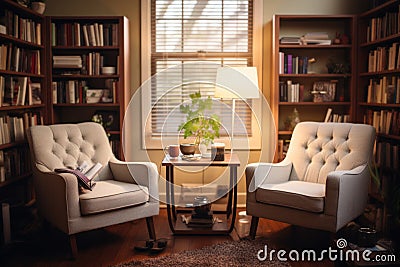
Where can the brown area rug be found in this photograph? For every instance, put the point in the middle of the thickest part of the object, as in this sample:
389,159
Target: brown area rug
228,253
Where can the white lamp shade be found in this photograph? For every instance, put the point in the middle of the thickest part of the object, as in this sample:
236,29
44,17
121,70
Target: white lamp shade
237,82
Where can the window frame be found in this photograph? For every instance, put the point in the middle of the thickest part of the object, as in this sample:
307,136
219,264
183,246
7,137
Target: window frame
154,142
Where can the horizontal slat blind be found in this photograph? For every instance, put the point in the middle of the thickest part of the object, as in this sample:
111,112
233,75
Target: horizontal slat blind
215,31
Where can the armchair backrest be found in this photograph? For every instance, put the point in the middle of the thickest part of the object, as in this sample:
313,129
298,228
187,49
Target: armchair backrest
319,148
69,145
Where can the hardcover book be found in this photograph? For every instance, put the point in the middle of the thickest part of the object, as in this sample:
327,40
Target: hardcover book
84,174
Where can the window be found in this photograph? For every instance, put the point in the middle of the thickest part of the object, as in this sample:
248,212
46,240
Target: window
188,41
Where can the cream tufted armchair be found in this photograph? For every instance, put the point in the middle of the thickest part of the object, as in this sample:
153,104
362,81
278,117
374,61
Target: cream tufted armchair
322,183
124,191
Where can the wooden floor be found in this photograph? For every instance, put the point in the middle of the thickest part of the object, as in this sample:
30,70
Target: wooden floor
114,244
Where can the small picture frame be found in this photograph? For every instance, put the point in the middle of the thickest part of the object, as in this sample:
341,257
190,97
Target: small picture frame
324,91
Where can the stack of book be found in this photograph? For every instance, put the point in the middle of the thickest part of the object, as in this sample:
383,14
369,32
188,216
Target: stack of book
201,220
67,61
316,38
290,40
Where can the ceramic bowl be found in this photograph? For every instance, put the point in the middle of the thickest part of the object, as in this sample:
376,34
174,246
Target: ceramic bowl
187,148
94,95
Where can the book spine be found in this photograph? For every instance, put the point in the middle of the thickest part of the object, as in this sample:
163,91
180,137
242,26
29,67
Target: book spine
289,64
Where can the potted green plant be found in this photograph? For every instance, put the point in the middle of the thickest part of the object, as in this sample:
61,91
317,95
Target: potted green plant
204,128
38,6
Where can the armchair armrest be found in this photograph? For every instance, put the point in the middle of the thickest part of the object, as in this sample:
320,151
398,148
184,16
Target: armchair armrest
57,196
271,173
347,193
141,173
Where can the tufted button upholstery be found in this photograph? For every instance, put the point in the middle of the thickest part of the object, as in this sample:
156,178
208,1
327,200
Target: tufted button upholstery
328,149
63,145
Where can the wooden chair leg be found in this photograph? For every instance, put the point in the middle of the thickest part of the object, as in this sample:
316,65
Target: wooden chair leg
150,227
73,246
253,227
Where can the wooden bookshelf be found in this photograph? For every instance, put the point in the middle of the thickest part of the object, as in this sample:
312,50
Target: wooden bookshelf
22,104
310,75
69,97
378,99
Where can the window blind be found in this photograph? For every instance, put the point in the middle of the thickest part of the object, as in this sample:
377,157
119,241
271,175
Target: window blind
219,32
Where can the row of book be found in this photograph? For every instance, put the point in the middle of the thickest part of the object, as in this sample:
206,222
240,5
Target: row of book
385,90
323,91
14,58
290,92
18,91
384,121
116,147
14,162
77,34
290,64
387,155
336,117
13,127
384,58
79,91
21,28
384,26
283,146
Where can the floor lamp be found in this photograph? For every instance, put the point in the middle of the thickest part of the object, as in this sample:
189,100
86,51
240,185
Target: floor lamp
236,83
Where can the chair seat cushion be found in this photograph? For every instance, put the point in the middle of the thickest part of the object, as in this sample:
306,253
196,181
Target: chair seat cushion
110,195
293,194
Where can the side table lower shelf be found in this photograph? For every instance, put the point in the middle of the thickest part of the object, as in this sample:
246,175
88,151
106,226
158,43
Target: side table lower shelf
226,217
222,227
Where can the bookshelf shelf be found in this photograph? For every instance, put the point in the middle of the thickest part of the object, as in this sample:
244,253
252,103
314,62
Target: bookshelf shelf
80,76
91,48
285,132
379,73
16,180
24,74
380,10
387,39
25,107
315,103
388,136
316,75
379,105
343,46
114,132
19,42
301,70
95,105
12,145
